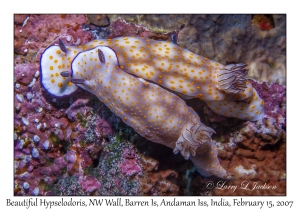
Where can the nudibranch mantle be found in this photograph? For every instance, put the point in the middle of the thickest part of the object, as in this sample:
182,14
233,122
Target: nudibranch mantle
152,111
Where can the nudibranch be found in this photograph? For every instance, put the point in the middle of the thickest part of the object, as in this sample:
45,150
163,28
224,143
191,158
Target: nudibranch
153,112
223,87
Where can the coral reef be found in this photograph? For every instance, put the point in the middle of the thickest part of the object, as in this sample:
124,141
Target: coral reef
76,146
52,148
256,157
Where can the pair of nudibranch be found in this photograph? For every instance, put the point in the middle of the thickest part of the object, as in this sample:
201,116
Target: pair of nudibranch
122,73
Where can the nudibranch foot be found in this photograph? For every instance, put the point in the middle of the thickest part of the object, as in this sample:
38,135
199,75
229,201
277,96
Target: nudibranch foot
206,160
231,78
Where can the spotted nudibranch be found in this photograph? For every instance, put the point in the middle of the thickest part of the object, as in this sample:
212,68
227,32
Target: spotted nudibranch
153,112
223,87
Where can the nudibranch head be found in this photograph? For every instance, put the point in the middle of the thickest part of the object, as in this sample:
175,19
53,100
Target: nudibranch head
53,64
89,67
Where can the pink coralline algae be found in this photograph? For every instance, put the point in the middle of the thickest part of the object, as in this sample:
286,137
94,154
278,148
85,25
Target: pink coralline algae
48,145
89,184
79,111
39,31
78,105
129,164
274,96
50,153
122,28
25,73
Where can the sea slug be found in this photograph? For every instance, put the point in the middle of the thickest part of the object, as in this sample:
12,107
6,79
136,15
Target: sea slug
152,111
223,87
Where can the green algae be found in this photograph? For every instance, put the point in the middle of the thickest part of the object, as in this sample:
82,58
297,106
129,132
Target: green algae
81,143
54,139
89,170
47,187
48,161
272,65
81,119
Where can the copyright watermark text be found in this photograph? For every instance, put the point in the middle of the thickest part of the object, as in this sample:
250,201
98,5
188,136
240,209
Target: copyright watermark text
245,185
